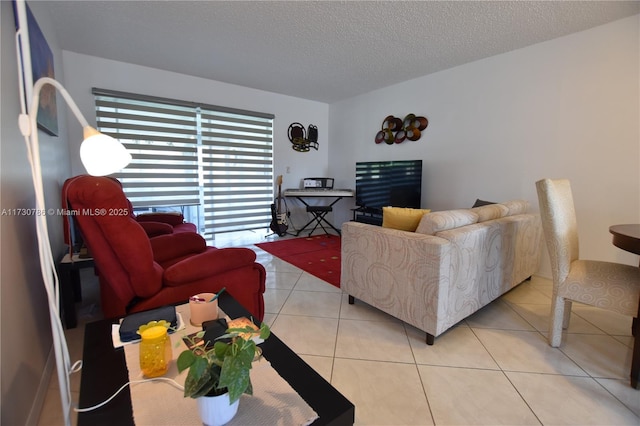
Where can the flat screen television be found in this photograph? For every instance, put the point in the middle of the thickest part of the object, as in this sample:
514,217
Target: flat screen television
388,183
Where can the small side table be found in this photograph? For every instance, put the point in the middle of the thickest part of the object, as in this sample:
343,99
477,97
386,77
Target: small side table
627,237
70,287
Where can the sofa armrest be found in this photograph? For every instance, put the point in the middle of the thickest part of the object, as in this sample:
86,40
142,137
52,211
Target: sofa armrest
171,218
172,246
209,263
401,273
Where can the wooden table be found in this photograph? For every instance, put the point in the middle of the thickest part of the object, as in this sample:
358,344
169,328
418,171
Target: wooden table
104,371
627,237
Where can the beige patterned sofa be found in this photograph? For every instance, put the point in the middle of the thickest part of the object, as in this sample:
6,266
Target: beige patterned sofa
456,262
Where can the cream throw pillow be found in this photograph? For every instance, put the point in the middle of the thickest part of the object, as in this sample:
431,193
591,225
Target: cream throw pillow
444,220
404,219
517,206
490,212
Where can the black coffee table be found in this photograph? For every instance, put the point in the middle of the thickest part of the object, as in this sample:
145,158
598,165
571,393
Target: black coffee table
104,371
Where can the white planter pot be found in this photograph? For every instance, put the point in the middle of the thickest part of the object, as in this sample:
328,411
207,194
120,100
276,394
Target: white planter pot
215,410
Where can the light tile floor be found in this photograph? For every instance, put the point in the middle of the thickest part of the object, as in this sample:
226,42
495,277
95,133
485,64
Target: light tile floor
493,368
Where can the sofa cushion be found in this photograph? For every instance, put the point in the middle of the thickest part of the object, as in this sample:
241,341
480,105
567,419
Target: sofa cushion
447,219
517,207
490,212
404,219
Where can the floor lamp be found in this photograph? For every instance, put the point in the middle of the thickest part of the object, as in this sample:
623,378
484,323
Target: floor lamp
100,154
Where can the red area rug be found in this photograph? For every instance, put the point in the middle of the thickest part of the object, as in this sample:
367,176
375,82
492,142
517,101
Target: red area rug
318,255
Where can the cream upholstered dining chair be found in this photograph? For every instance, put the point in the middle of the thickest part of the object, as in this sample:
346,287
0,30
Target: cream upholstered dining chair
606,285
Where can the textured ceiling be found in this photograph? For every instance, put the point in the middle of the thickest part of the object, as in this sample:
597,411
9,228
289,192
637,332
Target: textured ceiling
319,50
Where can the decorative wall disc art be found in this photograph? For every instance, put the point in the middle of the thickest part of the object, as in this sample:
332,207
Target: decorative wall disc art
396,130
303,140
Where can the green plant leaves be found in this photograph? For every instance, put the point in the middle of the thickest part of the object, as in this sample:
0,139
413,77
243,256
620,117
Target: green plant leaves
185,360
201,378
225,366
235,371
265,332
220,349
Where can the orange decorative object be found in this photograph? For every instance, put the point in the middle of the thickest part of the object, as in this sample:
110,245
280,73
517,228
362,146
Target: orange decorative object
413,134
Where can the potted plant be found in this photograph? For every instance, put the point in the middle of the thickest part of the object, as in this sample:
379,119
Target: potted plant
219,373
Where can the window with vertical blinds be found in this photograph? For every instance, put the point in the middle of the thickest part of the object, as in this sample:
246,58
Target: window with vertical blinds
237,163
186,154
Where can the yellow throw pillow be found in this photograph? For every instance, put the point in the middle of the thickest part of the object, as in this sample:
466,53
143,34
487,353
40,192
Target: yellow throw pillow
404,219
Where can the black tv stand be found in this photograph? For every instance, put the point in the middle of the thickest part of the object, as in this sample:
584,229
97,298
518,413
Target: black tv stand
370,215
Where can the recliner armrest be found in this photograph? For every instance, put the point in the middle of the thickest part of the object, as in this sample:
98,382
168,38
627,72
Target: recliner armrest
209,263
167,247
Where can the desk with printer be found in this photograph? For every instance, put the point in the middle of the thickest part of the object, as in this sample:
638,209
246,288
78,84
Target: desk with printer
318,188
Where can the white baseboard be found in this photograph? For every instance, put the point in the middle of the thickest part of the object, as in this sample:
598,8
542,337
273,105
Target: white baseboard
43,389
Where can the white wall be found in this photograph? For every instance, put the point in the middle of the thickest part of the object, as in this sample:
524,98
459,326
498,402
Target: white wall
24,315
567,108
84,72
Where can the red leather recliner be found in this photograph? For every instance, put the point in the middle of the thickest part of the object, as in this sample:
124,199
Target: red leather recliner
154,224
139,273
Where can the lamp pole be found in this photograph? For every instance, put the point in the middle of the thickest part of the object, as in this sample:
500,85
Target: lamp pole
100,154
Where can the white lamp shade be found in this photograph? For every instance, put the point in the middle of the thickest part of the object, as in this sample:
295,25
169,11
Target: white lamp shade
103,155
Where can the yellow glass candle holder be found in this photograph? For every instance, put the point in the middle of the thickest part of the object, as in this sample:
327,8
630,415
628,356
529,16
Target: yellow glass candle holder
155,349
